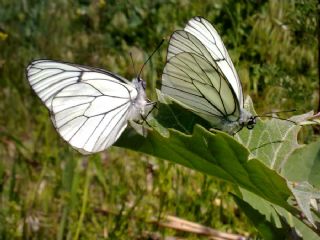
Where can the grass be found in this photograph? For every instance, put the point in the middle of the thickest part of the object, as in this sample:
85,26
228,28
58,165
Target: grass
48,191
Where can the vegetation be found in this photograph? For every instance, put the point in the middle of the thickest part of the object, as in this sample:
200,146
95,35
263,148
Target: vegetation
49,191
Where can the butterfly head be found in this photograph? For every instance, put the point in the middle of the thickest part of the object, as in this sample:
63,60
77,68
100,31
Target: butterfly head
139,84
142,83
247,119
140,100
251,122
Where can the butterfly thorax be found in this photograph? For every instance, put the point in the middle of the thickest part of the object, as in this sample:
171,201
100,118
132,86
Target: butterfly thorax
246,120
140,102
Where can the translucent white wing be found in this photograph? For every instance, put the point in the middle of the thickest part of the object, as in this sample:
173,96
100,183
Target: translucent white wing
198,85
48,77
201,38
93,114
89,107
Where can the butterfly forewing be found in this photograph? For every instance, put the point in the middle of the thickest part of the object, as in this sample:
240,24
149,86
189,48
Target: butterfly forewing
48,77
210,38
201,38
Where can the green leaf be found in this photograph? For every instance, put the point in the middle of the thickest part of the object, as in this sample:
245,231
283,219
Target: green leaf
302,170
278,216
304,165
216,154
267,229
305,194
177,137
272,141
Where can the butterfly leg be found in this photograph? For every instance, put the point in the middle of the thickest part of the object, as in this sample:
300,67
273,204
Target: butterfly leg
154,106
144,118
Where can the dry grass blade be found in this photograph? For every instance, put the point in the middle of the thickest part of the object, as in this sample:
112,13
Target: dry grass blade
180,224
188,226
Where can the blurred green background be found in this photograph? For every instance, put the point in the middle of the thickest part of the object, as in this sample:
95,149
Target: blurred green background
49,191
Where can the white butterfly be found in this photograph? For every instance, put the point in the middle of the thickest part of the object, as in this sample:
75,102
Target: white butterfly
200,76
89,107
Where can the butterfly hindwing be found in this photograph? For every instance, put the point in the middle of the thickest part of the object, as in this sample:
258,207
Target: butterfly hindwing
85,114
189,78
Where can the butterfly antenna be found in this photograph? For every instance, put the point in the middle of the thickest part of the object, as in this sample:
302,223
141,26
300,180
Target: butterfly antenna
134,69
159,45
283,119
284,111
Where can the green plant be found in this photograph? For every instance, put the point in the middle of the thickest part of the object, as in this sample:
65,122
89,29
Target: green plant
41,178
256,165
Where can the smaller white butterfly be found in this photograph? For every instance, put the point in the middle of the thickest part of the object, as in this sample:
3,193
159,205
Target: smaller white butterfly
89,107
200,76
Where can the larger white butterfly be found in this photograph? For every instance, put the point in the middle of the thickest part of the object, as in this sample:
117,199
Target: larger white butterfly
89,107
200,76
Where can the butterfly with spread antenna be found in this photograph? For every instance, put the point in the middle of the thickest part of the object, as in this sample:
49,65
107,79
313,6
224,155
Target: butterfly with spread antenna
89,107
200,76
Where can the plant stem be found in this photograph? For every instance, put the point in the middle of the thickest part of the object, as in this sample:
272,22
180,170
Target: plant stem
84,200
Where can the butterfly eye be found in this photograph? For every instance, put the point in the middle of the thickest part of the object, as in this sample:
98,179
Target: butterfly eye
251,123
144,84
